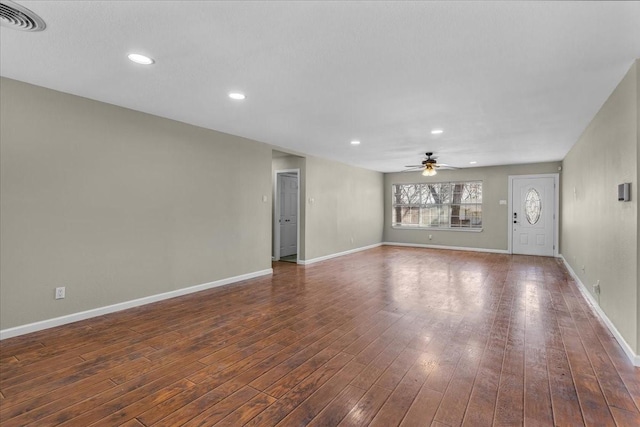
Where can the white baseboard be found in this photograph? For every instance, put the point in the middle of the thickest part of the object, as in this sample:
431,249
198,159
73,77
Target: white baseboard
326,257
413,245
70,318
453,248
634,358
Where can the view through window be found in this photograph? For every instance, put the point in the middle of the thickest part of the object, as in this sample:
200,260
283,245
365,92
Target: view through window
455,205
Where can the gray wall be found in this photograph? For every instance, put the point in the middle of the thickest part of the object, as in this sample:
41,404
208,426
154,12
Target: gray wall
116,205
347,209
599,233
495,185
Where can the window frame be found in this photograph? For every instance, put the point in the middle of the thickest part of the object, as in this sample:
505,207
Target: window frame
448,206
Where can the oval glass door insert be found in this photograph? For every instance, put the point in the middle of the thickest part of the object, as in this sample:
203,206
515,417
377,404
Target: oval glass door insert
532,206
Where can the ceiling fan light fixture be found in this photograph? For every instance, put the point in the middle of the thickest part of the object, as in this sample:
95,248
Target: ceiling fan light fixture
429,171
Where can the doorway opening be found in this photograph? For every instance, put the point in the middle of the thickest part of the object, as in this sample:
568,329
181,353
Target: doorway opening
533,214
286,224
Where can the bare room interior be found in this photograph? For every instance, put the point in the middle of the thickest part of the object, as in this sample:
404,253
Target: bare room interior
319,213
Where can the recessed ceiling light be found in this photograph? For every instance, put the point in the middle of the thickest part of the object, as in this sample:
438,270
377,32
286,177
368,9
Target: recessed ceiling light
237,95
355,142
436,131
473,163
140,59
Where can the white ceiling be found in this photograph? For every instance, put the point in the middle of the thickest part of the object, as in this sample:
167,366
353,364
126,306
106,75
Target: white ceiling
509,82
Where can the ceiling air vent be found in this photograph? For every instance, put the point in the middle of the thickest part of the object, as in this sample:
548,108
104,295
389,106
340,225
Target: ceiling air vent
12,15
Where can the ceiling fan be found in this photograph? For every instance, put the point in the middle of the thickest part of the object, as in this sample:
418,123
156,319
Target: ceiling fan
429,166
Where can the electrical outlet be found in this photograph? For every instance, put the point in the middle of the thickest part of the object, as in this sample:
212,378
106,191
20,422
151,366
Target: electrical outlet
430,236
352,239
60,292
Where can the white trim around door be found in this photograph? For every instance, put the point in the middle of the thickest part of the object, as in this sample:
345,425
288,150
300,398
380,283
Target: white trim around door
556,211
276,213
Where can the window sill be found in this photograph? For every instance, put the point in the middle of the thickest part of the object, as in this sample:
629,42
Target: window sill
411,227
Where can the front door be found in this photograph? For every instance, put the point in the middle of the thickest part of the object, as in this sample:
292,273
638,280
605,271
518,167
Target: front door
288,196
533,202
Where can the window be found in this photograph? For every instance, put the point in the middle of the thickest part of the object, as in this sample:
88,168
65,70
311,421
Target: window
454,205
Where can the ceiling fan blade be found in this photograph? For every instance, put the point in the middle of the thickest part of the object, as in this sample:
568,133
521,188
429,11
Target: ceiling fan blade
430,163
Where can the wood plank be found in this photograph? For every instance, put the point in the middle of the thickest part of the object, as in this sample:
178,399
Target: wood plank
455,400
377,367
290,380
510,399
537,398
152,414
217,412
595,410
625,418
335,411
283,406
206,399
116,399
43,406
398,368
46,390
400,400
481,339
423,408
151,399
246,412
484,393
275,374
367,407
564,398
132,423
315,403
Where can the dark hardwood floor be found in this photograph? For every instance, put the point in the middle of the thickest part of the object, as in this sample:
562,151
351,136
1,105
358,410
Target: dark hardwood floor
390,336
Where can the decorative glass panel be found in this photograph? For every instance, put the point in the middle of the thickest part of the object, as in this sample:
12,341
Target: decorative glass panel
532,206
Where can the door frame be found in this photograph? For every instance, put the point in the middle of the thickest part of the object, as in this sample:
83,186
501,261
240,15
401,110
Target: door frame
556,213
276,213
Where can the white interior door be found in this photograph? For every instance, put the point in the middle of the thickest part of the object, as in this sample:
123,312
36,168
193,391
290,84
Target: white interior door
288,197
533,202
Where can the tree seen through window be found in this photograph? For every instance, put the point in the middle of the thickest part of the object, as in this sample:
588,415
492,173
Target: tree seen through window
441,205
